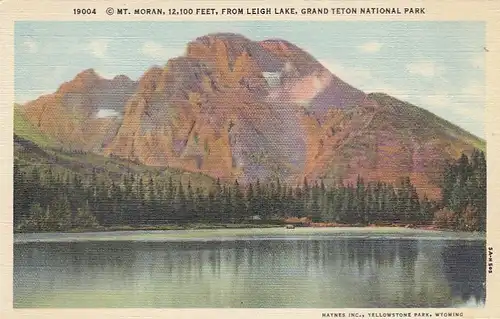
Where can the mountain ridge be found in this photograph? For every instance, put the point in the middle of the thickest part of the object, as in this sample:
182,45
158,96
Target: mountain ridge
234,108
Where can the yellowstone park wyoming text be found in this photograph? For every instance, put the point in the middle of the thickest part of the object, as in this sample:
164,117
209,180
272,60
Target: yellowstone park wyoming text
216,160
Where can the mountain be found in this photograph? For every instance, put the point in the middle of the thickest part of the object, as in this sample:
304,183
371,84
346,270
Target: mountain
234,108
84,113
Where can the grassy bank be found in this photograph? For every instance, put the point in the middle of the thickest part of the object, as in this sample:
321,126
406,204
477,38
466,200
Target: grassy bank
162,227
201,226
248,234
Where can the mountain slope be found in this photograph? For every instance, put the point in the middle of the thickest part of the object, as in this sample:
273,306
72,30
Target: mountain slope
26,130
387,140
29,154
234,108
84,113
222,109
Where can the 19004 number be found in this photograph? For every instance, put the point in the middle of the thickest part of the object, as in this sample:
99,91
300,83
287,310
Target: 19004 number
84,11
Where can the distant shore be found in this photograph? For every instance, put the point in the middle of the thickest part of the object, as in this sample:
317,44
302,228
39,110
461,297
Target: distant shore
248,234
201,226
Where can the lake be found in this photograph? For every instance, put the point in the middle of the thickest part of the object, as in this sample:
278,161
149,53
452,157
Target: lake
250,268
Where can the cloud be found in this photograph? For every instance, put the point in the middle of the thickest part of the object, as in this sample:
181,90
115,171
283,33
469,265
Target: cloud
436,100
462,107
477,62
154,50
355,76
371,47
469,116
474,90
105,74
426,69
363,79
25,96
30,46
470,113
98,48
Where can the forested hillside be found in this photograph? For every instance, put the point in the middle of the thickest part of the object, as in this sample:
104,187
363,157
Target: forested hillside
57,198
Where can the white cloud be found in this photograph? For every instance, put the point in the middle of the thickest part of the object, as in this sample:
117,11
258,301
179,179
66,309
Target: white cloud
364,80
471,113
26,96
477,62
436,100
98,48
154,50
106,74
462,107
465,112
426,69
474,90
30,46
451,107
356,76
371,47
469,116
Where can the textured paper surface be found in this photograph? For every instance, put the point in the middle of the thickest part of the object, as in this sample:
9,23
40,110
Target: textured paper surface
12,11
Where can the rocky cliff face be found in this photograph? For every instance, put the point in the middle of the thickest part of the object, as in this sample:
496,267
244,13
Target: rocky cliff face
84,113
232,108
235,108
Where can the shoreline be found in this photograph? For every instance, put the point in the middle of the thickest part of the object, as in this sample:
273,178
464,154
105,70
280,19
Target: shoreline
249,234
214,226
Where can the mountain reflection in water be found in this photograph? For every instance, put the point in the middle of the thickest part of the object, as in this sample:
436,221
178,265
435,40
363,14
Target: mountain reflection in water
347,272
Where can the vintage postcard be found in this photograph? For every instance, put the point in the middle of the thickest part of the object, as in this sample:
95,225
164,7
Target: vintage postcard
303,158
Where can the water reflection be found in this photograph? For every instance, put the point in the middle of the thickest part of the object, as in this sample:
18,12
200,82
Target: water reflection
458,262
255,273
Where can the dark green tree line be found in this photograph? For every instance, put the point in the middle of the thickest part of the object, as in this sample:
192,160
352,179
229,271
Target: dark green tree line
46,199
464,193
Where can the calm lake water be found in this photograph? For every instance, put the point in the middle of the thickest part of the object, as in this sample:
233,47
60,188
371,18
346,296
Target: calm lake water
248,269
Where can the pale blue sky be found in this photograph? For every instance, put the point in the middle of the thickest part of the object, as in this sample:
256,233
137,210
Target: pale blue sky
435,65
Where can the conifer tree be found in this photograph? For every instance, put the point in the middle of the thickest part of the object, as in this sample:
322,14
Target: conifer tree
306,197
190,205
238,203
180,203
151,201
298,207
200,205
251,208
170,209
